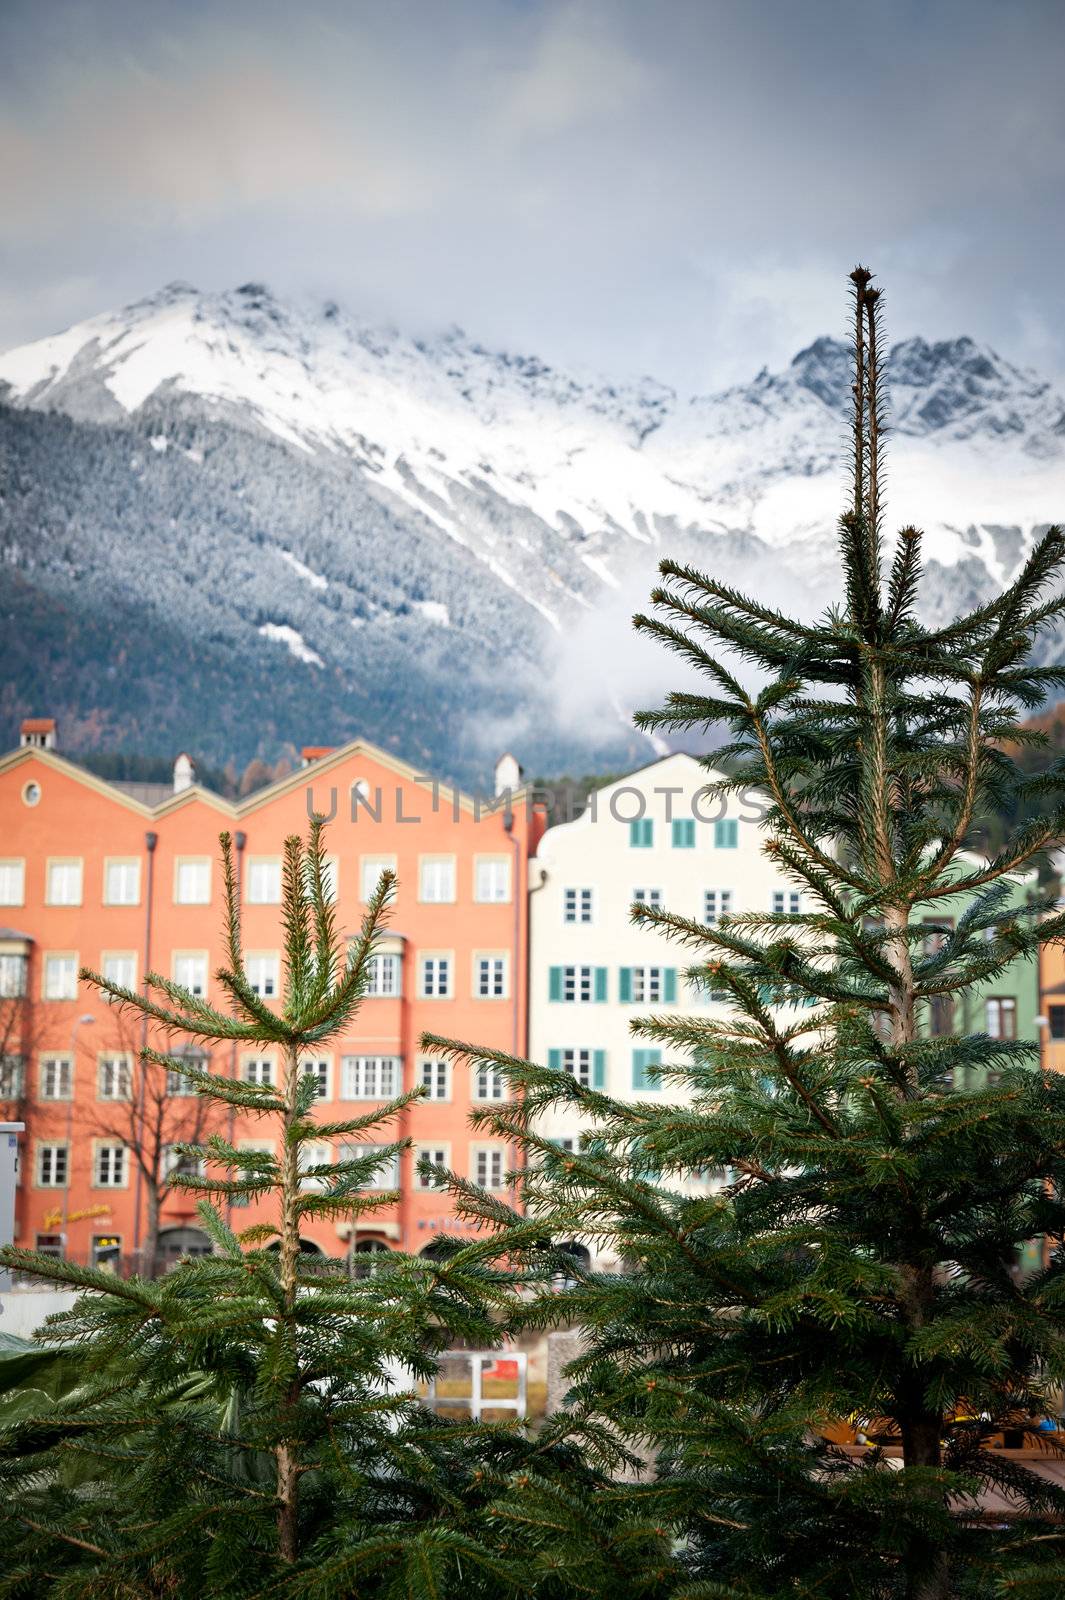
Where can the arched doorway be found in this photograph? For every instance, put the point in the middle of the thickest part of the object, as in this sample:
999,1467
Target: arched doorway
174,1243
579,1254
440,1249
367,1256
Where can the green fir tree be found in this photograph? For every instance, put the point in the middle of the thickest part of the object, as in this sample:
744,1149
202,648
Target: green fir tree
863,1261
248,1424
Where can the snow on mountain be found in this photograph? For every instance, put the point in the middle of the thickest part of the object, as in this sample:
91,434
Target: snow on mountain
558,490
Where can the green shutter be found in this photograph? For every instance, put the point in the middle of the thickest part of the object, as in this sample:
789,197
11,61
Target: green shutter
600,983
642,833
639,1081
684,833
554,1060
726,834
555,991
599,1069
625,985
669,985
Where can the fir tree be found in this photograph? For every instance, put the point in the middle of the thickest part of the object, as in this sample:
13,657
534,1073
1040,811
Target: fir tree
862,1259
247,1424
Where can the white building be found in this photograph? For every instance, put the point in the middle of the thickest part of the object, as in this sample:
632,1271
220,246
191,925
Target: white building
655,836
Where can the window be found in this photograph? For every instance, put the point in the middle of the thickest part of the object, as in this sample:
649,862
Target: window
176,1163
385,1176
490,977
254,1147
383,978
369,1077
52,1166
641,834
12,882
648,897
122,881
436,879
647,985
684,833
263,973
258,1070
192,881
489,1170
726,833
439,1158
1056,1018
1002,1017
491,880
264,881
436,977
12,1077
436,1079
489,1083
587,1066
939,931
57,1077
50,1244
113,1078
314,1155
63,883
109,1166
576,905
190,970
177,1085
320,1069
577,983
787,901
120,967
716,903
641,1061
60,977
330,878
941,1016
12,976
372,868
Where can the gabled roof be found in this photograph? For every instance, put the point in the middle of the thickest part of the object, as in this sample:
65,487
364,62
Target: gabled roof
238,809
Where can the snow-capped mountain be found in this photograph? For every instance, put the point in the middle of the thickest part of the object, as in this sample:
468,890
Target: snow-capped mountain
331,492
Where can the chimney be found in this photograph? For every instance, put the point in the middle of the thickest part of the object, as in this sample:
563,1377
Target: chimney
184,773
508,774
38,733
315,752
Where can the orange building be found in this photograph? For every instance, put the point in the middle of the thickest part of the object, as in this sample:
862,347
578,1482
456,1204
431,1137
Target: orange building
125,879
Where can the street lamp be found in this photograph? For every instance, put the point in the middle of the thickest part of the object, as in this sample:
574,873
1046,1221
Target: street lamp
85,1020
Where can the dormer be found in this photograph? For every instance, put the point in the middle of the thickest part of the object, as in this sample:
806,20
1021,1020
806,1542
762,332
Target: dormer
37,733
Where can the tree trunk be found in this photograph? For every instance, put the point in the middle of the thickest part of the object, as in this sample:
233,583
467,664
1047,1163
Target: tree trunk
287,1471
149,1262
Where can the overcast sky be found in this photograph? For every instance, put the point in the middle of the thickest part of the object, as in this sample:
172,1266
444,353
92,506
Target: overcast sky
667,186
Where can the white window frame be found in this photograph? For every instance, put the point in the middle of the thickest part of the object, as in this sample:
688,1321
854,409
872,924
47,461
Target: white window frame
579,1061
52,1146
433,992
499,968
787,901
122,865
73,865
490,866
181,862
437,880
315,1153
647,985
117,1163
14,972
434,1076
201,976
373,866
178,1087
12,1075
16,867
578,907
717,903
251,1071
370,1077
114,1075
108,958
385,961
47,990
320,1068
384,1178
438,1151
256,892
267,983
487,1161
489,1084
48,1070
648,897
171,1163
578,984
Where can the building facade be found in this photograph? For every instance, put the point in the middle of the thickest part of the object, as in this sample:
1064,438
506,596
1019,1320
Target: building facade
127,882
